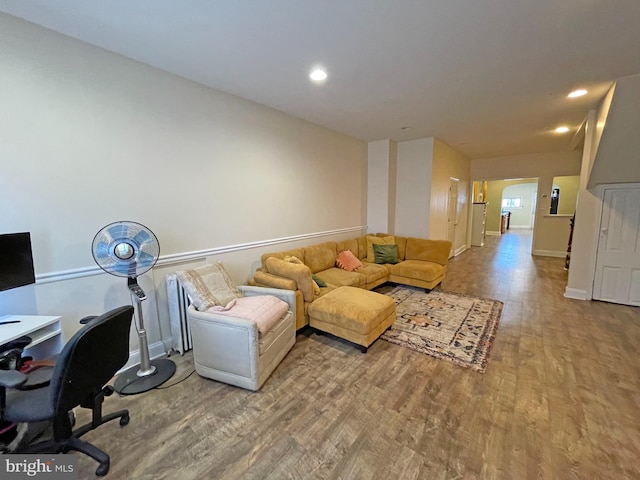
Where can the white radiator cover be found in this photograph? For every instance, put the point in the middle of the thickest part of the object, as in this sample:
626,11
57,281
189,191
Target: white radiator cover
178,303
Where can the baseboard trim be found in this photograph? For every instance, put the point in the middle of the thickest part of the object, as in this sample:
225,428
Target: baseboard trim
575,293
492,232
460,250
549,253
185,256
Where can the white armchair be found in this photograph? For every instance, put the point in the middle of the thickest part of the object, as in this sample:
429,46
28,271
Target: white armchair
232,350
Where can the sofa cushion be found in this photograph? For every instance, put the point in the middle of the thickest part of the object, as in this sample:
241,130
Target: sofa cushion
297,261
266,279
426,271
348,261
296,252
338,277
386,253
428,250
371,239
293,259
401,242
362,247
351,244
300,273
320,257
373,272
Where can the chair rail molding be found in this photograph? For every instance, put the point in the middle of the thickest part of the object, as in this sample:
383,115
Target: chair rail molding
62,275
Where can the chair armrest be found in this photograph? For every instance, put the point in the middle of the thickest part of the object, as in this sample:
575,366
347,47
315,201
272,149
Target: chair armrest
288,296
12,378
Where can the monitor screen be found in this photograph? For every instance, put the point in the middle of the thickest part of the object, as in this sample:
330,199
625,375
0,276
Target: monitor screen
16,260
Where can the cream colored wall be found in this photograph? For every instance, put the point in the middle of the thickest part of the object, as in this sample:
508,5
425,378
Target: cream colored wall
413,194
381,186
448,163
568,186
89,137
522,217
495,192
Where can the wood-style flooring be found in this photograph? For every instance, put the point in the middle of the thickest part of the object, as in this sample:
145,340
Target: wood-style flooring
560,398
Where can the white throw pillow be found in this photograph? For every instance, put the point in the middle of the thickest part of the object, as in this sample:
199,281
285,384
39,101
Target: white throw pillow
208,286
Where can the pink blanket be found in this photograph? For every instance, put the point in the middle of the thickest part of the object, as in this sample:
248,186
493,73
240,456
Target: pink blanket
264,310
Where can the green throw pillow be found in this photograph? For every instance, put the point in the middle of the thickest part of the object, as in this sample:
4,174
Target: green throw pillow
319,281
385,253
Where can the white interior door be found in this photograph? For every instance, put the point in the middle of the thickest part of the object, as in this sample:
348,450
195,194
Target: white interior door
452,213
617,276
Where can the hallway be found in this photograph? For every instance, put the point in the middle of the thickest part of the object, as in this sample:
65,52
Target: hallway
568,370
559,399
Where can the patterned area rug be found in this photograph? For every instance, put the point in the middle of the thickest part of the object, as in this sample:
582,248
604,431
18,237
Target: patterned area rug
445,325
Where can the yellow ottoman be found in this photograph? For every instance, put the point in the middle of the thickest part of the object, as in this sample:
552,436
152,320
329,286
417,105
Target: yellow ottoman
354,314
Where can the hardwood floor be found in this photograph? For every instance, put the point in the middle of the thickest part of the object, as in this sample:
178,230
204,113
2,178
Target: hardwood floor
560,398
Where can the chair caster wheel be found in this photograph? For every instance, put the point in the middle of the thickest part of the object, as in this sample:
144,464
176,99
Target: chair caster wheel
102,470
124,420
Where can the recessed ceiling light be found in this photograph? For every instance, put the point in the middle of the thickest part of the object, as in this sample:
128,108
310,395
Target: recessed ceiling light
577,93
318,74
562,129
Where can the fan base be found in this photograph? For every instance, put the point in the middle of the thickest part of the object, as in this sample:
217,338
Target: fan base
129,383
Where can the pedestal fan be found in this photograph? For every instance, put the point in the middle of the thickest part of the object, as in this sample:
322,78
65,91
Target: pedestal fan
129,249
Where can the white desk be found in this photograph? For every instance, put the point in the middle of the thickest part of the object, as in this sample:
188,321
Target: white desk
45,333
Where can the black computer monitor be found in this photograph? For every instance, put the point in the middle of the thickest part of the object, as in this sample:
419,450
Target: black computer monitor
16,260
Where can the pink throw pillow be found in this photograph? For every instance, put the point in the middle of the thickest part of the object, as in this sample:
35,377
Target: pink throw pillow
348,261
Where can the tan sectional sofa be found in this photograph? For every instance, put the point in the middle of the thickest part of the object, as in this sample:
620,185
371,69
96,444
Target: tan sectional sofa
422,263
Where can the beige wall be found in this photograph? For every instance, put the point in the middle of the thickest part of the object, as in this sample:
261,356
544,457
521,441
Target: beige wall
413,192
544,166
617,155
568,186
381,186
495,189
89,137
449,163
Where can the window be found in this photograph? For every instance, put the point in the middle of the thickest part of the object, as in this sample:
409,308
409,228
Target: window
512,202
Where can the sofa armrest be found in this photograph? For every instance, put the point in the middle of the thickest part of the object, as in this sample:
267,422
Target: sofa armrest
298,272
288,296
274,281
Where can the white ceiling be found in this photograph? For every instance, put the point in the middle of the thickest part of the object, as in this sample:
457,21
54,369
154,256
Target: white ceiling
488,77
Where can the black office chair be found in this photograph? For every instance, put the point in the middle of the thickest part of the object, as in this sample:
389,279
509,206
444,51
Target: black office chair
87,362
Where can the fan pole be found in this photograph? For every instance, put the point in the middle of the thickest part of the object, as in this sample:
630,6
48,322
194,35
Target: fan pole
145,361
151,374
